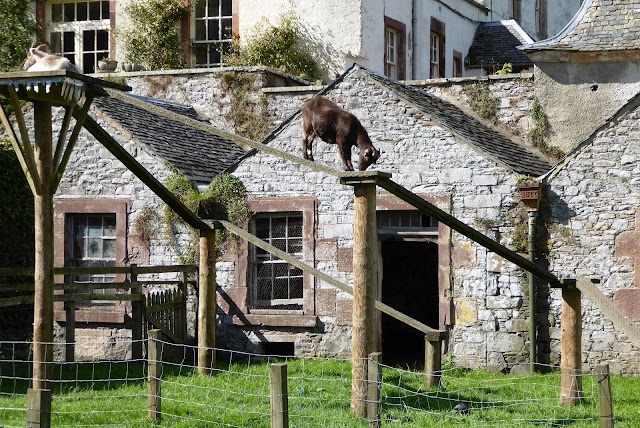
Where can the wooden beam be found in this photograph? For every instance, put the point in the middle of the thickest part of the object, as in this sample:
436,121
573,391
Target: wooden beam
43,271
34,182
468,231
80,118
207,303
365,256
24,136
62,136
145,176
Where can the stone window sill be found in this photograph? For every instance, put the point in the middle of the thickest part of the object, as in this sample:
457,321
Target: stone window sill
284,320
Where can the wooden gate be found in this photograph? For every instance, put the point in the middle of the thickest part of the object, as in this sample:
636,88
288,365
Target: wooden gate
166,310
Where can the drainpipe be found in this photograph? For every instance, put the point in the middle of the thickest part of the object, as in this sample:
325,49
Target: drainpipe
414,44
533,215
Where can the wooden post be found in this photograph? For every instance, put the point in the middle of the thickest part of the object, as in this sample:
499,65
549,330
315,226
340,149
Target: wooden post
604,394
432,361
365,254
533,337
39,408
43,274
571,345
70,328
183,313
279,396
137,315
154,387
373,390
207,303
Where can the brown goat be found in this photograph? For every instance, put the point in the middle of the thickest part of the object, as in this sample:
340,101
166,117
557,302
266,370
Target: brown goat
323,118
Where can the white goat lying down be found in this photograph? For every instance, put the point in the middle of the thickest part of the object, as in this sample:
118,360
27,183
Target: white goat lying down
39,60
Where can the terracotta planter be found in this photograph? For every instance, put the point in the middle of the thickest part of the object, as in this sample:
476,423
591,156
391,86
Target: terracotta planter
107,65
530,195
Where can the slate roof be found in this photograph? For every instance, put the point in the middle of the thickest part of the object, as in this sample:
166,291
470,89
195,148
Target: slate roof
198,155
599,25
513,155
496,43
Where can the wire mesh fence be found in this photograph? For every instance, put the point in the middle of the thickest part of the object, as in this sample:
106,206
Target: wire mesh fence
237,394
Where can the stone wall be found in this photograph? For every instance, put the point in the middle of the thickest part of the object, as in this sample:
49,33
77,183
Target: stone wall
593,220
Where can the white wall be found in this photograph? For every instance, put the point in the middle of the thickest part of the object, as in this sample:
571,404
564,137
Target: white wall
334,28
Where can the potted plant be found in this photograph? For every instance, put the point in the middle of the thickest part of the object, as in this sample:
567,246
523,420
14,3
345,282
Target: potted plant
107,64
530,192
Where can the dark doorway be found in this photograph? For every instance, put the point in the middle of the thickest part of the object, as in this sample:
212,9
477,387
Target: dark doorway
410,285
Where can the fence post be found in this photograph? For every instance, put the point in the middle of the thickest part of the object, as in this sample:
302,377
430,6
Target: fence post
279,396
137,313
604,393
207,303
365,272
39,408
373,390
571,344
154,389
70,327
432,361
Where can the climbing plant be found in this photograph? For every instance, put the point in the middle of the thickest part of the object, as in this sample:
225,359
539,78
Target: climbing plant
275,46
152,37
249,116
19,29
481,101
224,198
540,129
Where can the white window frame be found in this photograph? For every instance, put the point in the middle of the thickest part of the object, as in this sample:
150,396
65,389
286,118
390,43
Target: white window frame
77,27
434,60
391,66
220,40
257,260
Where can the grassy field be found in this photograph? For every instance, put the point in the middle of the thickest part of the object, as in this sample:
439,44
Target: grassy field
114,394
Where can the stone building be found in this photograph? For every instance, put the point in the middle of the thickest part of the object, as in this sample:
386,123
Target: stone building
589,70
441,278
593,223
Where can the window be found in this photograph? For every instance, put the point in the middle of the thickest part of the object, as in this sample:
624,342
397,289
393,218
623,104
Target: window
437,51
391,69
79,31
515,9
91,233
212,38
92,243
406,223
541,18
277,284
394,52
457,64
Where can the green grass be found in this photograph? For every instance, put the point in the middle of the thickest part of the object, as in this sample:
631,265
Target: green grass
319,395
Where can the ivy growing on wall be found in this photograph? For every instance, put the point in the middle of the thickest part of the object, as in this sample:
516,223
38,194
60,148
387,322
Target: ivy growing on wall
152,38
249,116
16,212
482,102
540,129
275,46
224,198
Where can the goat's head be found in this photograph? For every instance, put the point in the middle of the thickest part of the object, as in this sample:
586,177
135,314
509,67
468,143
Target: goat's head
367,157
33,54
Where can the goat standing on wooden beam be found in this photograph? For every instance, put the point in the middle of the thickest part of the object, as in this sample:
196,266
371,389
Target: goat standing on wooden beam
323,118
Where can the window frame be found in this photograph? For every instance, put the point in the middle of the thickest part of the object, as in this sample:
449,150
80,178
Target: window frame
78,28
399,65
438,31
221,41
63,209
255,263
